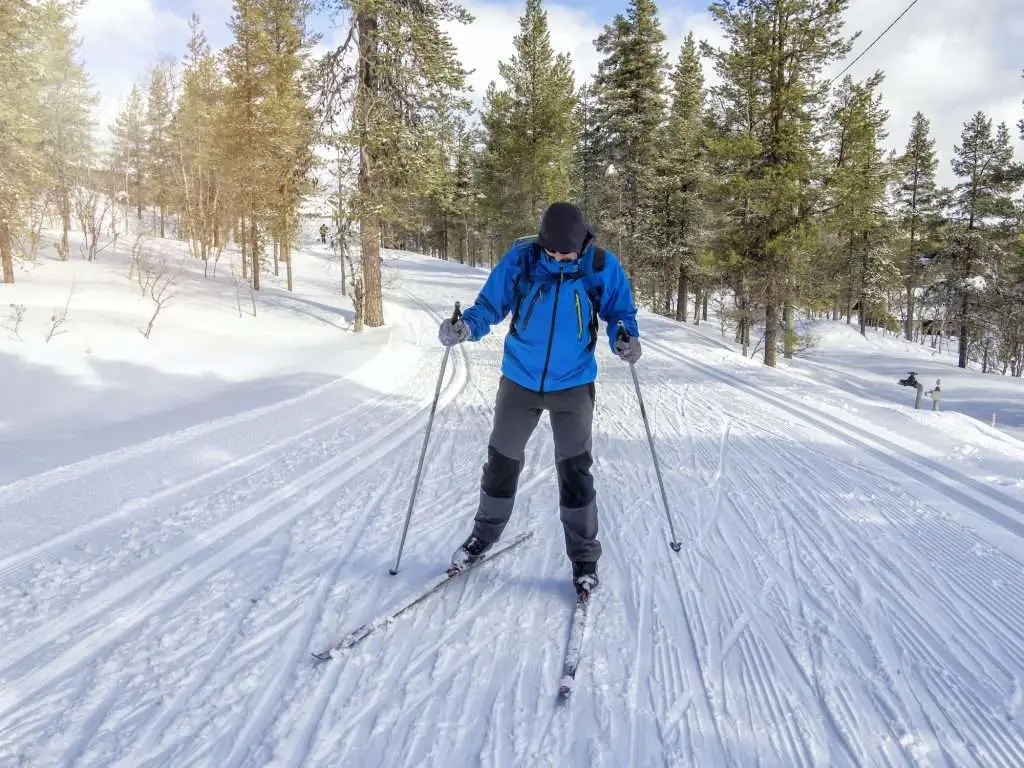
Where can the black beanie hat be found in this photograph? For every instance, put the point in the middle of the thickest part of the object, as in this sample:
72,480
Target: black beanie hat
563,229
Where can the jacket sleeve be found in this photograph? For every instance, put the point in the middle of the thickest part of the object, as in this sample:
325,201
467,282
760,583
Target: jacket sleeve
494,301
617,299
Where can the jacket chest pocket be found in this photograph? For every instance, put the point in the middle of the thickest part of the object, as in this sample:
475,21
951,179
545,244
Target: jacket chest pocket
538,293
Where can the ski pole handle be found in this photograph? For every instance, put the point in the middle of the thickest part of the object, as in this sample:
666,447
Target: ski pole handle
623,334
457,314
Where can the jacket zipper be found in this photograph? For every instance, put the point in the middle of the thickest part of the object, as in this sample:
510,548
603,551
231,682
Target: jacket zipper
551,335
579,316
533,303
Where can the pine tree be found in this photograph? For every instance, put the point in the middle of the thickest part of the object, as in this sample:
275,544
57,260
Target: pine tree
290,119
857,189
196,132
590,157
160,165
916,199
247,138
406,71
128,154
770,96
683,173
20,130
983,204
631,96
530,130
65,100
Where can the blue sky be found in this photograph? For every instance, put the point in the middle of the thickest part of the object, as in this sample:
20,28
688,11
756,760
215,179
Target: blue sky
947,58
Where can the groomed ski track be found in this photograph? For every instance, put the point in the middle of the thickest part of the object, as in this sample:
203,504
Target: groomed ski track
839,599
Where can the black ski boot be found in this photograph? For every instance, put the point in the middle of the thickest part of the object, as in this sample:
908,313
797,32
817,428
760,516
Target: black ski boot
584,579
472,549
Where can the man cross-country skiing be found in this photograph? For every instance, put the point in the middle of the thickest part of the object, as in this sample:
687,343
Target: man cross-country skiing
556,286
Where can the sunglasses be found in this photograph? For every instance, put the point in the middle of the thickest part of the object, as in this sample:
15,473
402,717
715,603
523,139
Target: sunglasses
559,255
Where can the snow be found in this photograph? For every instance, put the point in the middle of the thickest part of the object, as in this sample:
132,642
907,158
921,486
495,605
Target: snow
187,517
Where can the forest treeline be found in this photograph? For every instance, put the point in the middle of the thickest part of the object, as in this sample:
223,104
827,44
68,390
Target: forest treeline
772,187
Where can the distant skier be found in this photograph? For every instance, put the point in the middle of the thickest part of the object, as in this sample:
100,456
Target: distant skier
556,286
936,394
323,234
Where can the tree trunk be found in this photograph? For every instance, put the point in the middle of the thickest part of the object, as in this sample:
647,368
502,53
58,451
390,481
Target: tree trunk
703,307
965,308
288,264
64,250
771,322
908,330
254,252
698,298
243,241
6,252
683,287
789,320
369,301
372,300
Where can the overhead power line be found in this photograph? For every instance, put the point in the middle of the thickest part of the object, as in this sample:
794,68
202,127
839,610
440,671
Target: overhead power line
872,43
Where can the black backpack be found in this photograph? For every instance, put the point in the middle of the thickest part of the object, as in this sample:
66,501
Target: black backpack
592,286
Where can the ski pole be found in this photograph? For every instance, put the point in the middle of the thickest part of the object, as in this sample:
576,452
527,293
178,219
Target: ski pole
456,315
675,544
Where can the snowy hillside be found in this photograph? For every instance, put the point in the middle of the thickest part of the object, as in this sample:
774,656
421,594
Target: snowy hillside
187,517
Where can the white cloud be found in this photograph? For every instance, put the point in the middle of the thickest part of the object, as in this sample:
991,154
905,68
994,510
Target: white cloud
946,58
122,39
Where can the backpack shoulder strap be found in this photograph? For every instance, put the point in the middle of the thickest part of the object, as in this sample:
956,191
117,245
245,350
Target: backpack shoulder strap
594,292
527,247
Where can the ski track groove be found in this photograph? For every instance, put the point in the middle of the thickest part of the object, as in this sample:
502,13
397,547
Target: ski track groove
146,745
414,416
790,605
880,448
220,600
226,496
259,524
413,657
11,567
643,633
20,489
308,726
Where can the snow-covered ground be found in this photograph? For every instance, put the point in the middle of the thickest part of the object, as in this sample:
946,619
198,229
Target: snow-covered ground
186,518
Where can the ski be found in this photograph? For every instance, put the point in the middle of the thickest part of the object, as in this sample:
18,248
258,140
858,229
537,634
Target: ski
360,633
574,649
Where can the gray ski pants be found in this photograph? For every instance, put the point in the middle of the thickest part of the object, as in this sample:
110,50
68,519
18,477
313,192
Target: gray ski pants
516,414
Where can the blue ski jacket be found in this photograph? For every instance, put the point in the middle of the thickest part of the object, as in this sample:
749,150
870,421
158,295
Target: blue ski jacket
555,308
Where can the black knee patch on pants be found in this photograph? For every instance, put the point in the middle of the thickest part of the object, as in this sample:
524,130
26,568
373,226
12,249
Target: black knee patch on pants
500,475
575,483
